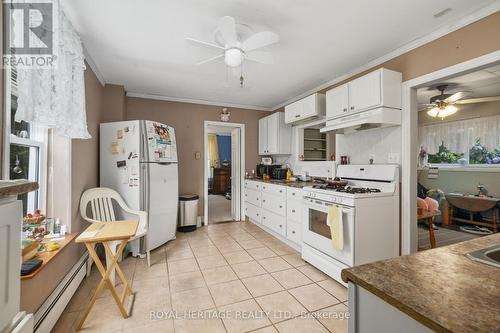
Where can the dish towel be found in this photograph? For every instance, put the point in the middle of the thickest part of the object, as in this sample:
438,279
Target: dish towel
334,220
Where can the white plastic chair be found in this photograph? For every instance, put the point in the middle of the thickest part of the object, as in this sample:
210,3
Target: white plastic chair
101,204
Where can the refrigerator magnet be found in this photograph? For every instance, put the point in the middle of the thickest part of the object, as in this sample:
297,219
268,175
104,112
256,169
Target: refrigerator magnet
126,129
115,148
119,134
121,164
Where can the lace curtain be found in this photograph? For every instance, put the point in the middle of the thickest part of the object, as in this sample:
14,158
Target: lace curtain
460,136
55,97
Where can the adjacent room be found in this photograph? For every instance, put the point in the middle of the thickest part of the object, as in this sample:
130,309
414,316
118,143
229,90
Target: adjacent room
459,158
235,166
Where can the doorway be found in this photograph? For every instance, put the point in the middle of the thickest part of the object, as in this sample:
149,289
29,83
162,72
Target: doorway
224,167
410,140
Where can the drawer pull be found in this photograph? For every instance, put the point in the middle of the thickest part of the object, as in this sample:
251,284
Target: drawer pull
257,214
281,191
263,187
263,200
293,210
281,225
281,206
257,199
293,193
293,231
264,217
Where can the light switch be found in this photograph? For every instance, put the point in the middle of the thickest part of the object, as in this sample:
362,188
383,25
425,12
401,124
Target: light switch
197,155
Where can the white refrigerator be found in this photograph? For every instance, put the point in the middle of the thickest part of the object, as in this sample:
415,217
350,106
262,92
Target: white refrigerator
138,159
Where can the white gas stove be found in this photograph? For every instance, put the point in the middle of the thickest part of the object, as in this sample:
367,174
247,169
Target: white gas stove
370,218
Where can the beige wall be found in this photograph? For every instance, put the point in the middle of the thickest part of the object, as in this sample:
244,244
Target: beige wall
188,120
113,104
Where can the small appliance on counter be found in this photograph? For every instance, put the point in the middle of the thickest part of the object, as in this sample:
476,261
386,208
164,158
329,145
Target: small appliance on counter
263,169
267,160
279,173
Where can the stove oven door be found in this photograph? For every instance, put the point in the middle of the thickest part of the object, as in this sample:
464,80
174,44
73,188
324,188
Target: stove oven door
316,231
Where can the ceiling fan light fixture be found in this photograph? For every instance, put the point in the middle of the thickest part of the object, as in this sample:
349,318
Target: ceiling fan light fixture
448,111
233,57
433,112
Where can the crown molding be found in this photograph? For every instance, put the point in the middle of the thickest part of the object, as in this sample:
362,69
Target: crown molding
438,33
196,101
93,66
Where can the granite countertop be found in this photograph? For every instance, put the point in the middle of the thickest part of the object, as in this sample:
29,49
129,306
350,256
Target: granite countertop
295,184
440,288
16,187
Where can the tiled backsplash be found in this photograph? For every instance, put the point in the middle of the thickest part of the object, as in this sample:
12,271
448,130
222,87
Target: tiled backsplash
379,143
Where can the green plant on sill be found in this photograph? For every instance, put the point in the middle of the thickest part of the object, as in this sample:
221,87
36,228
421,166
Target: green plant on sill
479,154
444,155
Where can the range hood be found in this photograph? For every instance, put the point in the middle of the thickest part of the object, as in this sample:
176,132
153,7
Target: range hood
365,120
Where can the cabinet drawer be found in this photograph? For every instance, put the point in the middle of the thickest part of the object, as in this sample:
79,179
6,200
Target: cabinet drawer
278,190
253,197
274,203
294,193
274,222
252,185
294,210
254,213
294,232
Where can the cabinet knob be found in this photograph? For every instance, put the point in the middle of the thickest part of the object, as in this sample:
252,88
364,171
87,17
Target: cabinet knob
293,231
293,194
293,210
264,187
352,107
297,115
263,200
281,225
257,214
264,217
281,206
281,191
345,109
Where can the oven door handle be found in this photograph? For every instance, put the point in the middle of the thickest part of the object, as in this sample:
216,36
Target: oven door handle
323,206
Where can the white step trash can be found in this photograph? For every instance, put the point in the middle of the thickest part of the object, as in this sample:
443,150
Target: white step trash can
188,212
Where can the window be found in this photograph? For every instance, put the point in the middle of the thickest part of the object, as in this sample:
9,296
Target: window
26,152
475,142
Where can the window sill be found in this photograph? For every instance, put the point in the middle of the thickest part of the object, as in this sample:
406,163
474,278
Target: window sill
459,168
48,256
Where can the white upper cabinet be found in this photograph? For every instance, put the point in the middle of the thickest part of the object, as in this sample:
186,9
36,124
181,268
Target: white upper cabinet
275,136
309,107
380,88
337,101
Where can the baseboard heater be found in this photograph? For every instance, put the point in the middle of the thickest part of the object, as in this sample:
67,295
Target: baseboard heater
46,317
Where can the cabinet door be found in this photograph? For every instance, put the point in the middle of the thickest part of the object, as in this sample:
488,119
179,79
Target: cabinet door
292,112
263,136
365,92
273,134
337,101
309,107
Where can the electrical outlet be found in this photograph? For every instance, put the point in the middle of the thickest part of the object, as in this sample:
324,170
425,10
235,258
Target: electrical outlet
393,158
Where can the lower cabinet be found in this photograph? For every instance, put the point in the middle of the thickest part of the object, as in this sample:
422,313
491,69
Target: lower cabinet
274,222
277,207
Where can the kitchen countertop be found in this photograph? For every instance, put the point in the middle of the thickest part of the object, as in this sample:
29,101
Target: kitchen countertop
440,288
295,184
16,187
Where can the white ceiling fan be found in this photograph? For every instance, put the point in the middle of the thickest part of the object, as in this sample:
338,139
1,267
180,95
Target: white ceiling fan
235,50
443,105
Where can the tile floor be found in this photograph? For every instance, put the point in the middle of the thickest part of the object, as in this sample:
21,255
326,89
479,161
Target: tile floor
253,281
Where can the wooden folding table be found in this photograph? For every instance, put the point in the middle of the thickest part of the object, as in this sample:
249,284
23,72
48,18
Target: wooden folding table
106,232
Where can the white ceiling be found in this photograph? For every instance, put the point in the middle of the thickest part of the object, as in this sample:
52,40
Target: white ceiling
482,83
141,45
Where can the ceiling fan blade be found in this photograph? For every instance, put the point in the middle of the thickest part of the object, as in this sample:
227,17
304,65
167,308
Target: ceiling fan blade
210,59
456,96
259,40
479,100
203,43
227,28
260,57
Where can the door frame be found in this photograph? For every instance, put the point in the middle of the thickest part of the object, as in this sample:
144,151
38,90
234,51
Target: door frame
409,127
240,165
